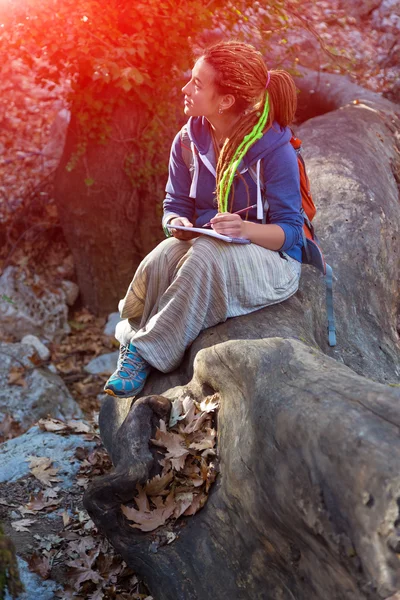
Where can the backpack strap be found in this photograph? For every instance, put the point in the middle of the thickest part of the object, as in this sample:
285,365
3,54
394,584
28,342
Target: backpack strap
312,255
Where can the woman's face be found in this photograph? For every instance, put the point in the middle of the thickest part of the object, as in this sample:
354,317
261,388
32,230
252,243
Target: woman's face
201,98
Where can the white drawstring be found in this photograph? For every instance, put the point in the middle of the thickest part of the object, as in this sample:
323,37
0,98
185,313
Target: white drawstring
260,208
193,187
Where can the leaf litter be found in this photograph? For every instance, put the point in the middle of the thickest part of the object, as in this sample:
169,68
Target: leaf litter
189,466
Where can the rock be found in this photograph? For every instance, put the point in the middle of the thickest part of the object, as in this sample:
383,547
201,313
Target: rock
42,350
112,322
106,364
23,311
71,291
35,442
36,393
34,585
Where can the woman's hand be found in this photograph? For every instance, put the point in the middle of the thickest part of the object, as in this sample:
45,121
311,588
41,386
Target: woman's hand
228,224
182,235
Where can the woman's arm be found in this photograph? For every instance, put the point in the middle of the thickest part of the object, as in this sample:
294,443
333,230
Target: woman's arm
282,182
177,202
267,236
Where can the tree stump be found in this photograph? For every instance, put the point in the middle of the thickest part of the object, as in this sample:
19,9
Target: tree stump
307,502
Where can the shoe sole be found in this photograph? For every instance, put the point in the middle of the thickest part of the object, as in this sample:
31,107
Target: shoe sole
114,395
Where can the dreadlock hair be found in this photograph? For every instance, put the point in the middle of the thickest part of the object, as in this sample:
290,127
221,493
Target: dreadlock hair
240,70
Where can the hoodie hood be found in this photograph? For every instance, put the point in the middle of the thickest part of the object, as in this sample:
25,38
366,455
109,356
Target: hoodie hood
199,133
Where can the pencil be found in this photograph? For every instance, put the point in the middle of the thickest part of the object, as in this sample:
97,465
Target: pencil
238,212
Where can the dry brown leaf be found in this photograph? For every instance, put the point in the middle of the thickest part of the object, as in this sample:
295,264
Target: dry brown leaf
16,376
38,503
40,468
179,462
78,426
9,428
207,440
199,501
211,475
176,412
158,484
150,520
22,524
196,423
83,568
210,403
175,446
66,518
189,409
40,565
142,502
53,425
183,502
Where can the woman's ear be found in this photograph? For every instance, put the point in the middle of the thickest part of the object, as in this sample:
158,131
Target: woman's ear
227,102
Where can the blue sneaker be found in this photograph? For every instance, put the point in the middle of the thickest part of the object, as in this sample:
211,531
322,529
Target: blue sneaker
129,378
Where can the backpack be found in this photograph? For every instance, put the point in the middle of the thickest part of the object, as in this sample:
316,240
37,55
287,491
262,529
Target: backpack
311,251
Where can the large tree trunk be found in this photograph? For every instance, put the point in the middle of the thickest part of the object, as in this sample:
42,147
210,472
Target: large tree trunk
306,505
110,223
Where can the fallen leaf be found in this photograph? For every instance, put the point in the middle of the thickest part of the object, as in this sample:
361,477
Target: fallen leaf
176,412
183,502
196,423
78,426
210,403
9,428
40,565
16,376
150,520
83,568
199,501
22,524
207,440
38,503
40,468
171,536
53,425
175,446
142,502
51,492
158,484
189,408
66,518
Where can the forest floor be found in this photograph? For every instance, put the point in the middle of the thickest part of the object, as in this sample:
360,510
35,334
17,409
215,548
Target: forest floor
45,519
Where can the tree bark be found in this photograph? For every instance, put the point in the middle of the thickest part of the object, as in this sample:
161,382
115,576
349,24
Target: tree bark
306,505
113,222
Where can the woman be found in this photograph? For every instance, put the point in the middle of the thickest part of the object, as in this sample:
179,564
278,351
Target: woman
239,114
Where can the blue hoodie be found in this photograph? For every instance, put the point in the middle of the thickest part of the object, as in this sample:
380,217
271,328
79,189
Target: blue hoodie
194,197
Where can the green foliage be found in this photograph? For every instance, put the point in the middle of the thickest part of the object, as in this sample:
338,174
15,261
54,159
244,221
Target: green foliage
119,52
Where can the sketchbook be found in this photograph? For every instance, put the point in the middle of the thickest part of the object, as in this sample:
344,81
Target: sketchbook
212,233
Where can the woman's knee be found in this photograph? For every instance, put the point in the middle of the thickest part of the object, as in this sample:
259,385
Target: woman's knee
207,250
167,250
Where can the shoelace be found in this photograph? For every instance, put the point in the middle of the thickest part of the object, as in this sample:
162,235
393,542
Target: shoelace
131,362
122,352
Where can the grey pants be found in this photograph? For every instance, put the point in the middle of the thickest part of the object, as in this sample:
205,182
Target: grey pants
181,288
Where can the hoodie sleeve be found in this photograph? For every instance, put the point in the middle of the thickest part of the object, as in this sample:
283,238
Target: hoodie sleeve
282,182
177,202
